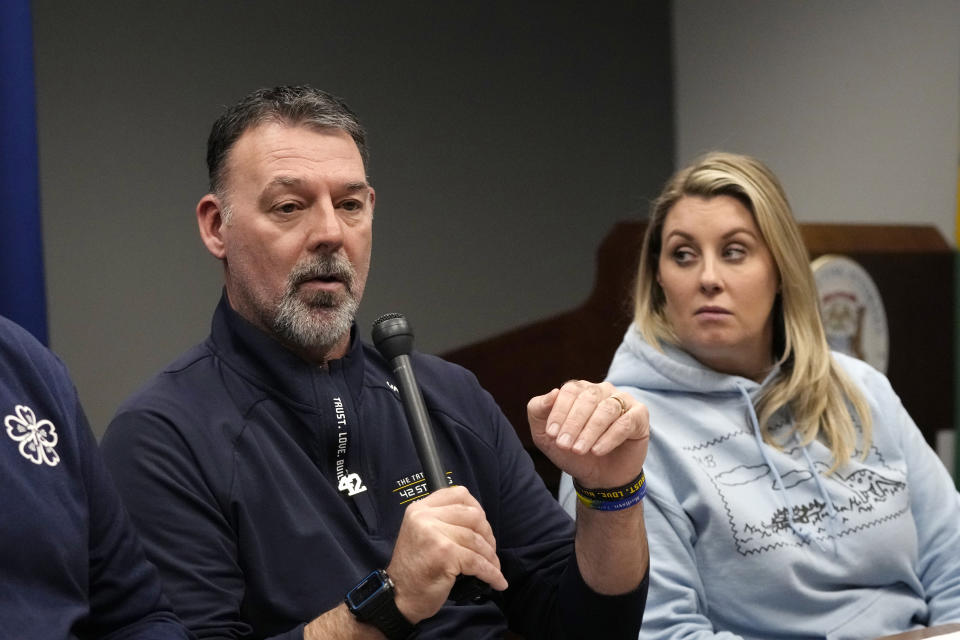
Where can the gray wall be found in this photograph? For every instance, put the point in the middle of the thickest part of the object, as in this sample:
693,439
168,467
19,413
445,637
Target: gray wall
855,104
507,139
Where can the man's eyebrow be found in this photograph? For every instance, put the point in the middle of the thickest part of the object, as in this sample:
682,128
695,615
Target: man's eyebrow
282,181
294,181
279,181
353,187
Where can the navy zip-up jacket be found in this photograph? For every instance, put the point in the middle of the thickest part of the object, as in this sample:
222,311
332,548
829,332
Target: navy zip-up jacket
71,565
239,460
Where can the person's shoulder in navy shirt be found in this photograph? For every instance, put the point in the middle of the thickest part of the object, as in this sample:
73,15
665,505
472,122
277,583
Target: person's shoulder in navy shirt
71,563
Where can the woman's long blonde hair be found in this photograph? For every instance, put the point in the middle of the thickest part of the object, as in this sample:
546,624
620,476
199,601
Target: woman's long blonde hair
820,397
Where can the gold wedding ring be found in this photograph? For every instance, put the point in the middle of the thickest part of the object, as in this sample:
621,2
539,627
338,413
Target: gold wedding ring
623,405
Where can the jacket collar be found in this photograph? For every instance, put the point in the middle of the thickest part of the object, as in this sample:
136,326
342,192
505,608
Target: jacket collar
269,364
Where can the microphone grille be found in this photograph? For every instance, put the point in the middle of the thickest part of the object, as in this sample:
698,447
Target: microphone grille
392,335
387,316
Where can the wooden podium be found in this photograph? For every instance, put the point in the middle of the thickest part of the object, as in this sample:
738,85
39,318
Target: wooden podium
912,266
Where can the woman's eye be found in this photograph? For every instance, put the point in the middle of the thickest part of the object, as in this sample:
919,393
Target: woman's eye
735,252
683,255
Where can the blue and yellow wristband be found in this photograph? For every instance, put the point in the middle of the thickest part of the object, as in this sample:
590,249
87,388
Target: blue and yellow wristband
615,499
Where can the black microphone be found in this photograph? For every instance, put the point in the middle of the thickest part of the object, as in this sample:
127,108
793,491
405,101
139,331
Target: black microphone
393,338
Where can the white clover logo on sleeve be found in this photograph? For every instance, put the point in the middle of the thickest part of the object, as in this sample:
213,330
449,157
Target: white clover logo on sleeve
37,439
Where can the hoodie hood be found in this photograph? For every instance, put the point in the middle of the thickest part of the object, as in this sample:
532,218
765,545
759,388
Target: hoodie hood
639,364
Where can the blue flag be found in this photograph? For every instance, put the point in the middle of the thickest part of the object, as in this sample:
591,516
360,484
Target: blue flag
22,290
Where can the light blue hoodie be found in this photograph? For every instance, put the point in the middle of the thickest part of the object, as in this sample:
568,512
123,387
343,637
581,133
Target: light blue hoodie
748,541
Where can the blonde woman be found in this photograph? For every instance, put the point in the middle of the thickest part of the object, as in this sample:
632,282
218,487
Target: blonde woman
790,494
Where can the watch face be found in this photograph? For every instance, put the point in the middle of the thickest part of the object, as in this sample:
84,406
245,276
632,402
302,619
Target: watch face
372,584
371,602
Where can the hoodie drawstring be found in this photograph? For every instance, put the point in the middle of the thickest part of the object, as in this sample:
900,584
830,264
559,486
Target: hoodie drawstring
800,531
834,516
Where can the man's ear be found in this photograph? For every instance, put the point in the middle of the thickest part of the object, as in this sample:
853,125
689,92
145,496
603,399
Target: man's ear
210,221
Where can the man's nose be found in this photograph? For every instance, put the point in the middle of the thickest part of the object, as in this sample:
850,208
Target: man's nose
324,227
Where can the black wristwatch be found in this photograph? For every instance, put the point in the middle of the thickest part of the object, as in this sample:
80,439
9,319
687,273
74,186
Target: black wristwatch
372,602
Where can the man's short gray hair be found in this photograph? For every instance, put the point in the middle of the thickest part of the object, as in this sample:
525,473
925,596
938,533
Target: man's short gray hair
292,105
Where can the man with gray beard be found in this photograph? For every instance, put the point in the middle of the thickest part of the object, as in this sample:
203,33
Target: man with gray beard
270,469
296,324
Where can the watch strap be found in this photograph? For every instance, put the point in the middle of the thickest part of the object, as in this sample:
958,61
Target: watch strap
391,623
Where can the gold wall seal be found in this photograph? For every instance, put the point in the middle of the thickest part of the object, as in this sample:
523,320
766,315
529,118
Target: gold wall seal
852,310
